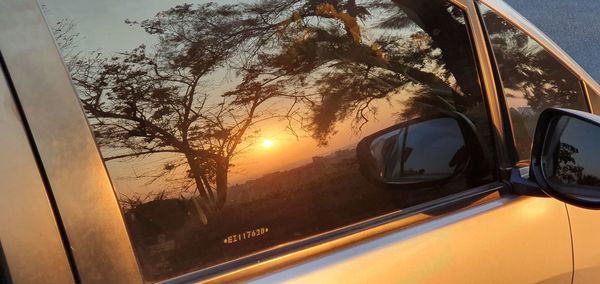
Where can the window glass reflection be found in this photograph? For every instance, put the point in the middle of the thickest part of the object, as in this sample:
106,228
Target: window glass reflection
426,151
532,79
230,128
575,153
434,146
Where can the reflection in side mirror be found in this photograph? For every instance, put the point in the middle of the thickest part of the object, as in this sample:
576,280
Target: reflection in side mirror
416,153
566,157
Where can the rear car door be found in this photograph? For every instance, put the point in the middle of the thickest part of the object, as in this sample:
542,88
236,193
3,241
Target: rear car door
230,132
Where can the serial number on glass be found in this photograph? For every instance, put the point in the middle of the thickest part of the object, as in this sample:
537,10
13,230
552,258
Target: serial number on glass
245,235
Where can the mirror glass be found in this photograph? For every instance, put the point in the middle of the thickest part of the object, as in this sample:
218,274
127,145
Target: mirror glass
571,154
420,152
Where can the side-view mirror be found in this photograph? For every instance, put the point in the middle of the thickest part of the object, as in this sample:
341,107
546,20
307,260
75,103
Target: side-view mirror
565,158
420,152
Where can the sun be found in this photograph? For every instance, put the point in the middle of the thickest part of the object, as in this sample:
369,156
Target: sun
267,143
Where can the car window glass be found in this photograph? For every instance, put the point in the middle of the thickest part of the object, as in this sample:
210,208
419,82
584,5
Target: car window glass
532,79
442,136
231,128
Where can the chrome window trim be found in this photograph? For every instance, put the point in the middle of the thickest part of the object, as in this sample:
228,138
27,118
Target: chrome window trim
513,17
69,157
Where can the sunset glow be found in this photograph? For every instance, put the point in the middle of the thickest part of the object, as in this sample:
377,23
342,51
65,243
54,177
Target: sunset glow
267,143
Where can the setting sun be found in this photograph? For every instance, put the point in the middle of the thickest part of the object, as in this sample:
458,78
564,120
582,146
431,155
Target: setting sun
267,143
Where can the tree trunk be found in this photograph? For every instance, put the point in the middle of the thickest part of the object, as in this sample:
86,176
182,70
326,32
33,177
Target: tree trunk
222,171
205,193
202,183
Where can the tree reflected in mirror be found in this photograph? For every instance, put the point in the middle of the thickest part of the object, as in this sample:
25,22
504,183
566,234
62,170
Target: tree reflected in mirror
572,158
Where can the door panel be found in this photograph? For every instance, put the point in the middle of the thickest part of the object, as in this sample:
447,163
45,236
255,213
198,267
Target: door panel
510,240
29,237
172,162
586,251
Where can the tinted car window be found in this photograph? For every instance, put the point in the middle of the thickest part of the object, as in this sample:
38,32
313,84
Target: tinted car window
532,79
229,129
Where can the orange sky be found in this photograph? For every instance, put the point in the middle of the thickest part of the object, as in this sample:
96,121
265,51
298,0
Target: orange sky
286,152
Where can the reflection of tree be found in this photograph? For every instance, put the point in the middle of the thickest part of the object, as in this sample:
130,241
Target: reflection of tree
66,40
569,171
527,67
316,62
130,202
530,72
591,180
325,48
143,103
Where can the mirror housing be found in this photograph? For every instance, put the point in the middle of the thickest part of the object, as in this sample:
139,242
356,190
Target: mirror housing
565,157
421,152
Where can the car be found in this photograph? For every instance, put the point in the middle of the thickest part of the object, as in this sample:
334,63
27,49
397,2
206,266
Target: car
439,141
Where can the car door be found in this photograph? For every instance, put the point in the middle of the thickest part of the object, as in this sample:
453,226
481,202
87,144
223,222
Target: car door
568,94
586,253
230,134
532,74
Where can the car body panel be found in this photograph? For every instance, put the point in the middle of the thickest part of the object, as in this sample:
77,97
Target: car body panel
30,239
511,239
513,247
586,251
584,222
77,177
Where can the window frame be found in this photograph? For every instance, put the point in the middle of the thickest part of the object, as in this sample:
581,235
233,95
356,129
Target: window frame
99,240
95,231
512,17
31,245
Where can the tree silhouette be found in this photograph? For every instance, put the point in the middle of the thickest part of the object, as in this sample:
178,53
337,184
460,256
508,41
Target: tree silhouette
527,67
319,63
529,72
567,169
327,46
215,72
141,103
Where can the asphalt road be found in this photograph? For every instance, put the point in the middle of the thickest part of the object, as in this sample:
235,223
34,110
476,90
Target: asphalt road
573,24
